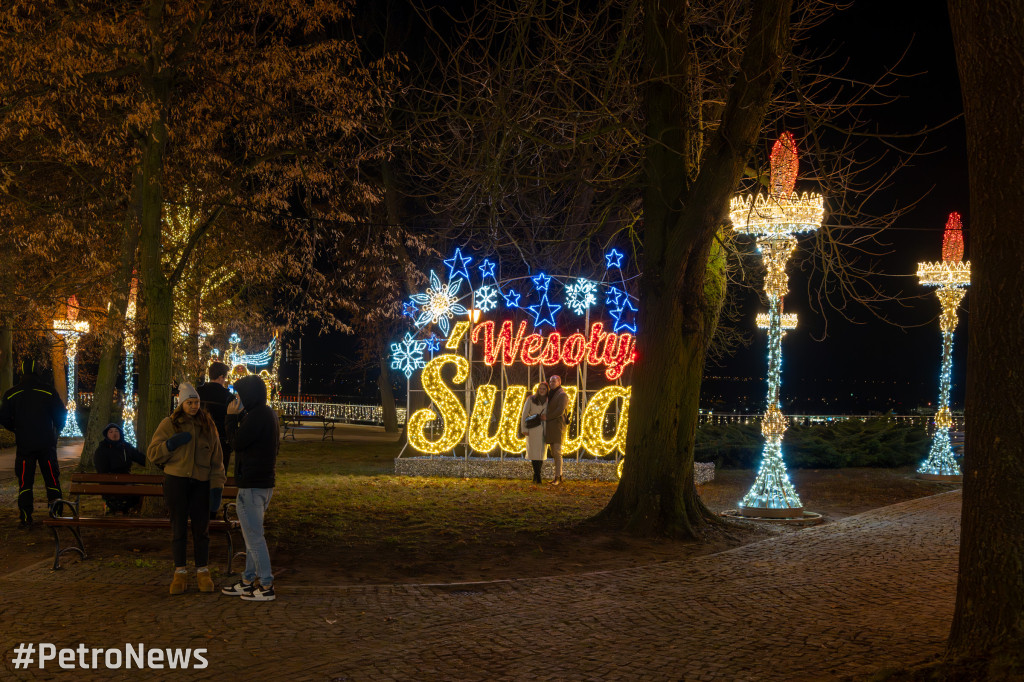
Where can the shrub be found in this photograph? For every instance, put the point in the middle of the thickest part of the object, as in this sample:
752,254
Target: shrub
853,443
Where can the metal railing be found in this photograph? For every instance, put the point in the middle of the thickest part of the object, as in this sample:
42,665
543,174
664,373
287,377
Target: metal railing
345,413
922,420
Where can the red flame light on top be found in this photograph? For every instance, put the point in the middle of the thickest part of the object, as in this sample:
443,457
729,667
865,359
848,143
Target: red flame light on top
72,311
785,162
953,239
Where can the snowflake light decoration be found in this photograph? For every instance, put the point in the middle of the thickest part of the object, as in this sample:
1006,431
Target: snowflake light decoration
485,298
407,355
580,295
440,303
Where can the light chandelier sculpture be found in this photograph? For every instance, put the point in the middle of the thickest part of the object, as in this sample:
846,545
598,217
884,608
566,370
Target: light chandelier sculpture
775,219
952,276
71,329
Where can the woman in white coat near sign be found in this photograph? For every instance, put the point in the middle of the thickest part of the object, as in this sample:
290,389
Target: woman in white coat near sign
531,427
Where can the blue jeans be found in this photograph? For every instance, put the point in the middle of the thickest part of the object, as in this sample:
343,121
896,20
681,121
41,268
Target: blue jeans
252,504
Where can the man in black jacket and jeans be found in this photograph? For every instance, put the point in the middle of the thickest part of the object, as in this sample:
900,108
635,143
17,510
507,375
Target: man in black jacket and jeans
36,415
255,436
214,397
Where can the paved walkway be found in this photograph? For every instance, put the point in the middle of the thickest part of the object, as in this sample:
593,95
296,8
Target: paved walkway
68,454
842,599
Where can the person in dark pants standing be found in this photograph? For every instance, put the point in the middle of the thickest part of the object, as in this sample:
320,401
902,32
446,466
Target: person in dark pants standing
214,398
36,415
187,447
255,436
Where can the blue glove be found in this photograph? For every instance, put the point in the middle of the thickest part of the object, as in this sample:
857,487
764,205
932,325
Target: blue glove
178,439
216,494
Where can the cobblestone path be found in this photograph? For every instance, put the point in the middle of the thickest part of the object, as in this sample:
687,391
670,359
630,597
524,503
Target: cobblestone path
842,599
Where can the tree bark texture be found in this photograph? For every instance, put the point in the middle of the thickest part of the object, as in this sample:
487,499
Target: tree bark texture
989,616
679,298
387,396
6,355
113,345
58,364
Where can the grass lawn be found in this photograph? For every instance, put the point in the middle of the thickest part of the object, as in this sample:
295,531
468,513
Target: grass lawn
340,516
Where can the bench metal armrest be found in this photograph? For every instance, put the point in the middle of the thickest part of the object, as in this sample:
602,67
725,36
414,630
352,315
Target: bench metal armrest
55,514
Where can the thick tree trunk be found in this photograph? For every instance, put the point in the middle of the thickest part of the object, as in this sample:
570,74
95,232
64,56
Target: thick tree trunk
989,617
680,299
387,395
142,404
58,363
113,345
6,354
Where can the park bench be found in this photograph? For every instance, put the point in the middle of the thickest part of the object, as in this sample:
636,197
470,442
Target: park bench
289,422
142,485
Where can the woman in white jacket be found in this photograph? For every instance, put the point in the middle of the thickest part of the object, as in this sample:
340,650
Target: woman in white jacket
535,404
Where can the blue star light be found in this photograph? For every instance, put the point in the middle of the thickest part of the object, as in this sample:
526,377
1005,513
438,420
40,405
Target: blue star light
457,265
409,310
624,317
580,295
433,343
407,355
611,297
542,282
511,298
486,269
613,259
485,298
539,316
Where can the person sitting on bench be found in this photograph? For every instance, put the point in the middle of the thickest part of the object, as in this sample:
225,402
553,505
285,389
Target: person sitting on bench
115,456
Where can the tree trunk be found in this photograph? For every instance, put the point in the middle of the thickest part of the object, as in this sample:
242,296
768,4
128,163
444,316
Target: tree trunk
58,363
110,355
387,395
988,620
142,404
6,354
680,298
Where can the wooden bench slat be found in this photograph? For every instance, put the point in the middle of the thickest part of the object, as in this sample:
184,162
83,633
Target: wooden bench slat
139,490
127,478
122,522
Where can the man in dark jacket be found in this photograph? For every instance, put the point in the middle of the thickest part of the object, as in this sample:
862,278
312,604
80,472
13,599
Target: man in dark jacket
36,415
214,397
255,436
554,423
115,456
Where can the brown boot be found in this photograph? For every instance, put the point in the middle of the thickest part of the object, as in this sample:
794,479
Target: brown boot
204,580
557,481
179,582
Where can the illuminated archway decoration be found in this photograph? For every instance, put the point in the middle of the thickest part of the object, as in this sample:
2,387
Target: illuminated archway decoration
775,219
71,329
952,276
517,331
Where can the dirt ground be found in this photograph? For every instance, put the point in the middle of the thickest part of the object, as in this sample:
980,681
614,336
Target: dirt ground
478,530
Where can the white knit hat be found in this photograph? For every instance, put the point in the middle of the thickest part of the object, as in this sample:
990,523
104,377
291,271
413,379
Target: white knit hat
187,391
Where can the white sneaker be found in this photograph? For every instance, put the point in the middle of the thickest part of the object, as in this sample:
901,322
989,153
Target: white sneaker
260,594
238,589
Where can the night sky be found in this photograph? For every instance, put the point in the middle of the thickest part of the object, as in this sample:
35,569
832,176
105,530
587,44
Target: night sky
858,367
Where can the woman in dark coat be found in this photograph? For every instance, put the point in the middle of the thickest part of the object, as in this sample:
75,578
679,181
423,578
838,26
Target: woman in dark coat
115,456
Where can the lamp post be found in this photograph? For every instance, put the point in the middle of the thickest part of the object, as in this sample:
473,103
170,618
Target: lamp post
952,276
775,219
71,329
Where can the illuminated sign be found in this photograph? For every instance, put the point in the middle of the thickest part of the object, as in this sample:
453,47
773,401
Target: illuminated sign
517,331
